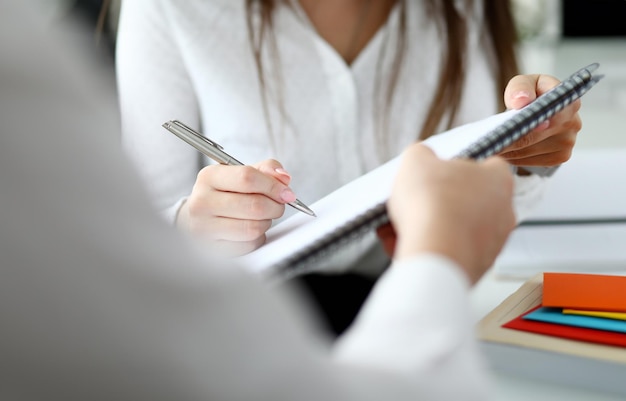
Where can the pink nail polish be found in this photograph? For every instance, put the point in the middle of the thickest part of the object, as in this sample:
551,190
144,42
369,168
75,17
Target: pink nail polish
521,95
287,195
282,171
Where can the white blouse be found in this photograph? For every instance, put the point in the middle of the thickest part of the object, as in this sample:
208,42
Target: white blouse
192,61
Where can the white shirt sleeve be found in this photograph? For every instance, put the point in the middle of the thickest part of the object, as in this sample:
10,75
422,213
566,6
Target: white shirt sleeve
154,87
420,306
99,299
529,190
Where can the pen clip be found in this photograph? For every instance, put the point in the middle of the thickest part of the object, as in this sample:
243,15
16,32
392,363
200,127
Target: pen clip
196,134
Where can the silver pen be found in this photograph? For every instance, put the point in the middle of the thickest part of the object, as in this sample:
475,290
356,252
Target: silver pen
216,152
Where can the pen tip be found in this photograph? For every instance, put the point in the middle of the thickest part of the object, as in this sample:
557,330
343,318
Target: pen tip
303,208
308,210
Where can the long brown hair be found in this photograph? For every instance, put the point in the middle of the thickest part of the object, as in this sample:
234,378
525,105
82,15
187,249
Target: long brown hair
499,26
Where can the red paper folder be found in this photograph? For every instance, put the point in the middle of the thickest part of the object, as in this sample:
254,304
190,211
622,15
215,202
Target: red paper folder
584,291
569,332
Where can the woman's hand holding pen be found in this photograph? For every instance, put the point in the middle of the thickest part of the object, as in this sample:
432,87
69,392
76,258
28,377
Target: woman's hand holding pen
235,205
551,143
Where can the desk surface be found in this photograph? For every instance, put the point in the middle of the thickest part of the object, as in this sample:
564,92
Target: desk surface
604,125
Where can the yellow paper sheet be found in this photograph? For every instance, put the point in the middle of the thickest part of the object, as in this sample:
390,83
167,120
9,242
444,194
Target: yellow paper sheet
607,315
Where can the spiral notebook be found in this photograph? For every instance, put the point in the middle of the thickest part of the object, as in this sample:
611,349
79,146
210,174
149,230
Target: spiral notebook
297,244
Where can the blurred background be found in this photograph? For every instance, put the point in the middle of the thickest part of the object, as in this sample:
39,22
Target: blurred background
99,16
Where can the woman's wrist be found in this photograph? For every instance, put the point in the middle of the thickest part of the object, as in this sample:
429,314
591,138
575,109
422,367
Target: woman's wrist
182,216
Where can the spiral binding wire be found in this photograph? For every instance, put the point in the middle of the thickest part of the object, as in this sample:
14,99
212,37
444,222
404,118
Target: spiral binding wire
300,262
534,114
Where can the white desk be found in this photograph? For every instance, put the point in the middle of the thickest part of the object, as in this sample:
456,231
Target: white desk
604,125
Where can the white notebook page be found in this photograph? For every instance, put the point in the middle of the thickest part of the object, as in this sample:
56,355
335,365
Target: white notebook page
355,198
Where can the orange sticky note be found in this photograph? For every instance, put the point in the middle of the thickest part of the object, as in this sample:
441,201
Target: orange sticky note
584,291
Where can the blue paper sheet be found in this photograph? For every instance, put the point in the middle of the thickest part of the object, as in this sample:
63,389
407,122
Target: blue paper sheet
554,315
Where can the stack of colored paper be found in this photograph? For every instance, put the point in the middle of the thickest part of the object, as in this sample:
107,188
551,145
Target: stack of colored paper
584,307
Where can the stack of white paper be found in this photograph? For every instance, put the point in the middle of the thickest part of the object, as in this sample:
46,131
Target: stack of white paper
580,224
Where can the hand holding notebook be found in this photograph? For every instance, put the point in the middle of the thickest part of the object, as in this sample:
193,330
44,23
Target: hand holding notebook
424,209
359,206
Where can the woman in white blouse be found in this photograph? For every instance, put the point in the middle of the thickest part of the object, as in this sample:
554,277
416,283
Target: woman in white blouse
330,88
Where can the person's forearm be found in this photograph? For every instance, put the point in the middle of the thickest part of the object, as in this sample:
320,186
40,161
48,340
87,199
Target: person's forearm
417,323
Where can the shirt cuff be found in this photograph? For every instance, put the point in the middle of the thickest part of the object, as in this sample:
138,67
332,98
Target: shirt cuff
413,300
417,323
171,213
529,190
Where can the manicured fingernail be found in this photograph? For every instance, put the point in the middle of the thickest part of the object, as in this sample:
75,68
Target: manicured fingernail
282,171
287,195
543,125
521,95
